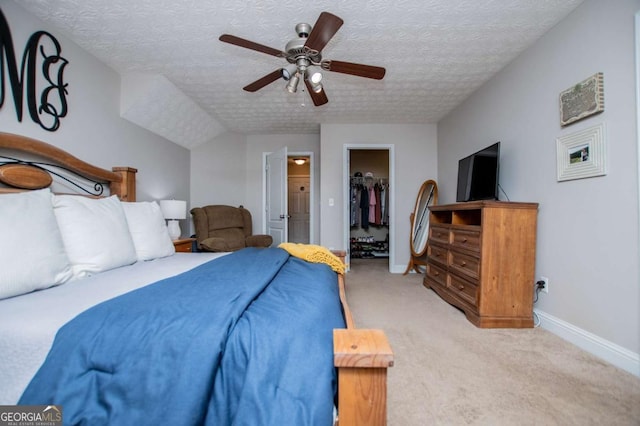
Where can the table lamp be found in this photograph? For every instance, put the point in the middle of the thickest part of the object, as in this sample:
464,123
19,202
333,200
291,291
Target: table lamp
173,210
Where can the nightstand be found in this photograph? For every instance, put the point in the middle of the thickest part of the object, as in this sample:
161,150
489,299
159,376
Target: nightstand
183,245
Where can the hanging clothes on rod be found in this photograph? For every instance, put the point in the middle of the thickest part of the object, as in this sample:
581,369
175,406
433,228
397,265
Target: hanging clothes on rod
369,201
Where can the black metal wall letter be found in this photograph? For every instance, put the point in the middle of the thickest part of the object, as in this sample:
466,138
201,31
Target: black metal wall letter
52,104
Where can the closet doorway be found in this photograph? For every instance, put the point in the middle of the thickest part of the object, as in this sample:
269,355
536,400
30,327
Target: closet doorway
369,204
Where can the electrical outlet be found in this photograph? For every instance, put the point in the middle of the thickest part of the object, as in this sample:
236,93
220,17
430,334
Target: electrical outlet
545,287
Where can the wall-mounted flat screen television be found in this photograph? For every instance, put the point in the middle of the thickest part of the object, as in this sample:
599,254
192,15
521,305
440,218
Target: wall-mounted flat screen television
478,175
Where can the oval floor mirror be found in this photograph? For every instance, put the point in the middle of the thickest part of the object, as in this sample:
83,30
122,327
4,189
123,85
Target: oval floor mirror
427,196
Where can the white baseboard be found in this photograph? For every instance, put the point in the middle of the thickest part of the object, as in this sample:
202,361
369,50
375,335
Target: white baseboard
398,269
608,351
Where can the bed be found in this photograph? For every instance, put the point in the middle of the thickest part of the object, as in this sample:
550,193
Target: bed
150,335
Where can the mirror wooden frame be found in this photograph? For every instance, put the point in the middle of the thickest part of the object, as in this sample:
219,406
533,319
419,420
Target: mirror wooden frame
419,218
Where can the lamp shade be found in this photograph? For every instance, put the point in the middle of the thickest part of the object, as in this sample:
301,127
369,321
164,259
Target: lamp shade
173,209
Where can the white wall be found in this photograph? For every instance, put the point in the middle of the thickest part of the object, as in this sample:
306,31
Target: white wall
218,171
93,130
415,161
588,228
229,170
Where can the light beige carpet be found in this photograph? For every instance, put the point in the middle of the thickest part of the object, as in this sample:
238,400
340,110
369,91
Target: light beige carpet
448,372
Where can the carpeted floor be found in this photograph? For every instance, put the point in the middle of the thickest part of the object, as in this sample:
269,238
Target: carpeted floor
448,372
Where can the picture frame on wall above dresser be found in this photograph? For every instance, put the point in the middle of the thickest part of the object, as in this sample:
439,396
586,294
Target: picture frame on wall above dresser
582,100
582,154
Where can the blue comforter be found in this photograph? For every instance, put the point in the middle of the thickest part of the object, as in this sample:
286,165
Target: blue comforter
245,339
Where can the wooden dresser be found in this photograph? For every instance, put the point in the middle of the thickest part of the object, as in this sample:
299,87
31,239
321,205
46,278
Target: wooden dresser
481,259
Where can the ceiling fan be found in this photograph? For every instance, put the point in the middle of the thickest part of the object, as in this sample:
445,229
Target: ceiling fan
304,53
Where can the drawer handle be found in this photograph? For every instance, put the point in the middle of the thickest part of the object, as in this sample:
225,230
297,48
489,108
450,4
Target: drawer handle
463,263
436,273
464,240
460,287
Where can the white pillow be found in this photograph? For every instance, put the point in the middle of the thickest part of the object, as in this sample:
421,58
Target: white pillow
148,230
94,232
32,255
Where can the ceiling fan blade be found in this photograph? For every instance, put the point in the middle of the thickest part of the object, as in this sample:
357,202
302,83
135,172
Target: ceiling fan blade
267,79
228,38
326,26
359,70
318,98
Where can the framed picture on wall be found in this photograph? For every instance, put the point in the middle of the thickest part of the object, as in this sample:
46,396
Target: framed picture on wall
582,154
582,100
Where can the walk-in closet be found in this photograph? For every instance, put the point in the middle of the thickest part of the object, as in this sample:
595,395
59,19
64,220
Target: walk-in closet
369,206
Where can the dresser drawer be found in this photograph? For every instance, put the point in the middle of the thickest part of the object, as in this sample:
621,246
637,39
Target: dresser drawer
437,254
437,274
464,264
439,234
464,289
469,240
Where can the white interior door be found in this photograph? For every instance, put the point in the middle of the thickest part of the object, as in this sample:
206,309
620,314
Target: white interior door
276,197
299,209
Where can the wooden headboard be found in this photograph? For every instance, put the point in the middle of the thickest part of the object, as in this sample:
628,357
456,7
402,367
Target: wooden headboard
20,175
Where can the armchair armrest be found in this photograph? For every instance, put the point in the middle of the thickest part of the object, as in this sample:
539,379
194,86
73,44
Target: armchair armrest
258,240
214,244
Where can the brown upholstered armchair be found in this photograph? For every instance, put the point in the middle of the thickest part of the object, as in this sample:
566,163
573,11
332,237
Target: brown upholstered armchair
225,228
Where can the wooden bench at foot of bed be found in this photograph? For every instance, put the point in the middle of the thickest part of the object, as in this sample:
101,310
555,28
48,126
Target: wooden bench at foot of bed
362,357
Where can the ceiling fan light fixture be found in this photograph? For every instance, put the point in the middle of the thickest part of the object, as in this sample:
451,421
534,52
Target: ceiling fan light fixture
292,85
288,72
316,87
315,77
314,81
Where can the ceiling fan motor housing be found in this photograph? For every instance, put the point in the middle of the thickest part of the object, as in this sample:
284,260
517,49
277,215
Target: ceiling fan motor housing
295,50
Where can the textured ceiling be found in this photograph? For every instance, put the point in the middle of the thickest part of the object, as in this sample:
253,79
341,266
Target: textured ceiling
436,52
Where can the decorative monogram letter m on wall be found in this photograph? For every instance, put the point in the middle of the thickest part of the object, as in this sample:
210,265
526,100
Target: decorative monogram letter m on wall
52,104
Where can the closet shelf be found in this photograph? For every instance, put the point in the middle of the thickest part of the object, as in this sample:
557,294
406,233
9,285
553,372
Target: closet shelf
363,250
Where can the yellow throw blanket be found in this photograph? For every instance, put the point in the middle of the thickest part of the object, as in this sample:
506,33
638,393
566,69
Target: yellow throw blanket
314,253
